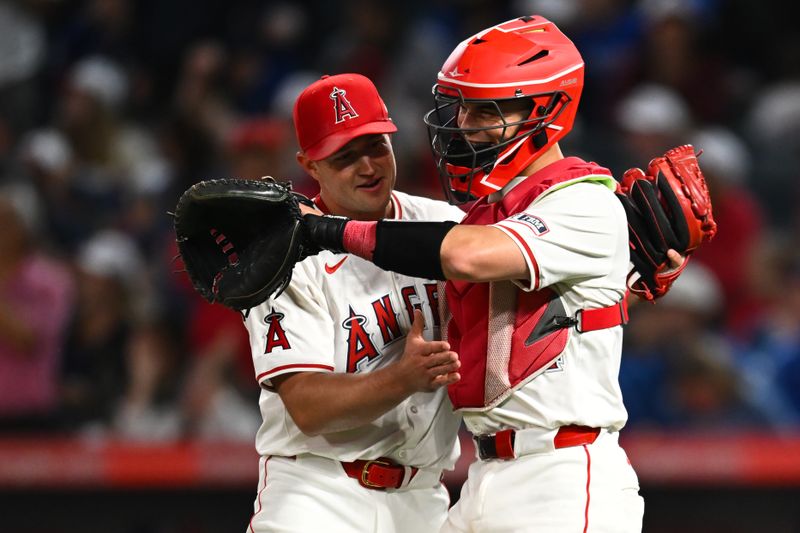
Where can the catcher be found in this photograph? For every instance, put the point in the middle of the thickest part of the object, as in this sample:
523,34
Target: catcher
536,277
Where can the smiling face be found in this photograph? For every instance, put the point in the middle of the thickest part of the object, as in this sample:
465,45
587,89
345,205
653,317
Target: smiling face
486,115
357,180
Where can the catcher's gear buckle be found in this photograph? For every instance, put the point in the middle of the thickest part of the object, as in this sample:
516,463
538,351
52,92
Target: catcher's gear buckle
365,472
568,321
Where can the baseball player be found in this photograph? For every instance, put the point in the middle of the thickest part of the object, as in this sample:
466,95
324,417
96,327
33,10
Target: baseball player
357,426
536,287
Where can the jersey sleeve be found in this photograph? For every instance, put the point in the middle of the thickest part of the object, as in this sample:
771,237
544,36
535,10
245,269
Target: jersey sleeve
293,332
578,232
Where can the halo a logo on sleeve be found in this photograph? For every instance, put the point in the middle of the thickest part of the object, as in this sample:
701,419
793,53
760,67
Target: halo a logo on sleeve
276,336
534,222
342,106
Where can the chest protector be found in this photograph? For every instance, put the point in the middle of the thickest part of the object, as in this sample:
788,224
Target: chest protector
505,336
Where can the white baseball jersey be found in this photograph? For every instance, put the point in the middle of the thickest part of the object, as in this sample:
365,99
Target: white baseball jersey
575,241
341,313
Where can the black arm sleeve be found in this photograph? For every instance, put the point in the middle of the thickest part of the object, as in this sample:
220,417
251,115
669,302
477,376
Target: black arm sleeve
411,248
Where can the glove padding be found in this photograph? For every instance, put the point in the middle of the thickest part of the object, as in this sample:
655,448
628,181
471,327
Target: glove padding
668,207
240,239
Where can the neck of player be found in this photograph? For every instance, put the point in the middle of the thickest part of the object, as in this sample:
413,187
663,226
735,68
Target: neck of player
551,155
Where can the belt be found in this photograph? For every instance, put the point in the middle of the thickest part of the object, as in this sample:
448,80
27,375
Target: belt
380,474
501,444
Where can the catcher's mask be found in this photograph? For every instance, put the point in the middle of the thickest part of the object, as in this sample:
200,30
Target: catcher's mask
526,58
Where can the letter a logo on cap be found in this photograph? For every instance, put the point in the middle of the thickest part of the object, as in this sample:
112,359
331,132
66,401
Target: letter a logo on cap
342,106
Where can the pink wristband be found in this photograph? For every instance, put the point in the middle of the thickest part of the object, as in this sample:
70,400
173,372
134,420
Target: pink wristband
359,238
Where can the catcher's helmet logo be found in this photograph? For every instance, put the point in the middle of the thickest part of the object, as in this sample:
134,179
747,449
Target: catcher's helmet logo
359,344
342,106
276,336
455,73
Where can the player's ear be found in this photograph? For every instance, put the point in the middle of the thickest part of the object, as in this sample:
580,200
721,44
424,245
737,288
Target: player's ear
308,165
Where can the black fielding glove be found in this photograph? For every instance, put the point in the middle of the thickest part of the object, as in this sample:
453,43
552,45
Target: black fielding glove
240,239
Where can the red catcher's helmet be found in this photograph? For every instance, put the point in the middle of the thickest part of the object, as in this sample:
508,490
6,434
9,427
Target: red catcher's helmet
525,58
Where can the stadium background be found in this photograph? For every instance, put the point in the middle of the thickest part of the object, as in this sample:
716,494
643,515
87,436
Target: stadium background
128,405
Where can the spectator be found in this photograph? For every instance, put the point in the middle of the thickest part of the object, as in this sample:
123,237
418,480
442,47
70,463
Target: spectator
655,340
69,216
258,147
769,361
114,157
704,388
149,408
708,393
108,266
22,47
36,298
772,126
220,390
733,253
652,119
676,50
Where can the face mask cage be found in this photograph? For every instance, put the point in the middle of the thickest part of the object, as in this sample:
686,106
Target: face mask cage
458,159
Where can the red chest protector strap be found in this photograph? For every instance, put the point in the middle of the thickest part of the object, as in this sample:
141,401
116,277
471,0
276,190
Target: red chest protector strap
594,319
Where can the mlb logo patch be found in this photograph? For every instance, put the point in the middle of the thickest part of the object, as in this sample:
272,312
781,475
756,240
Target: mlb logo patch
534,222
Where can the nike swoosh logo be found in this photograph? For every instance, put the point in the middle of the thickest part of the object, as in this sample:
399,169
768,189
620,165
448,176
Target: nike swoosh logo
334,268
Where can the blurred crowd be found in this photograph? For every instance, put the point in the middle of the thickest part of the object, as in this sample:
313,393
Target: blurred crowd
109,109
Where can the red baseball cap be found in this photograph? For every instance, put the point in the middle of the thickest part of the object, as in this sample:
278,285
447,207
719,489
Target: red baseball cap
334,110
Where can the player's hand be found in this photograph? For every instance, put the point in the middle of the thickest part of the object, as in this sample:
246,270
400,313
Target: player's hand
426,365
675,259
306,209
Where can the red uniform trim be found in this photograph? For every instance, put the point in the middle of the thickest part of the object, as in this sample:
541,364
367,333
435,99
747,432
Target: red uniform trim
588,483
398,209
259,495
321,205
511,220
284,367
519,238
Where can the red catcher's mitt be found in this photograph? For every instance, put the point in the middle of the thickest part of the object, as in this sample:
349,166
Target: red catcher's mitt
668,207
